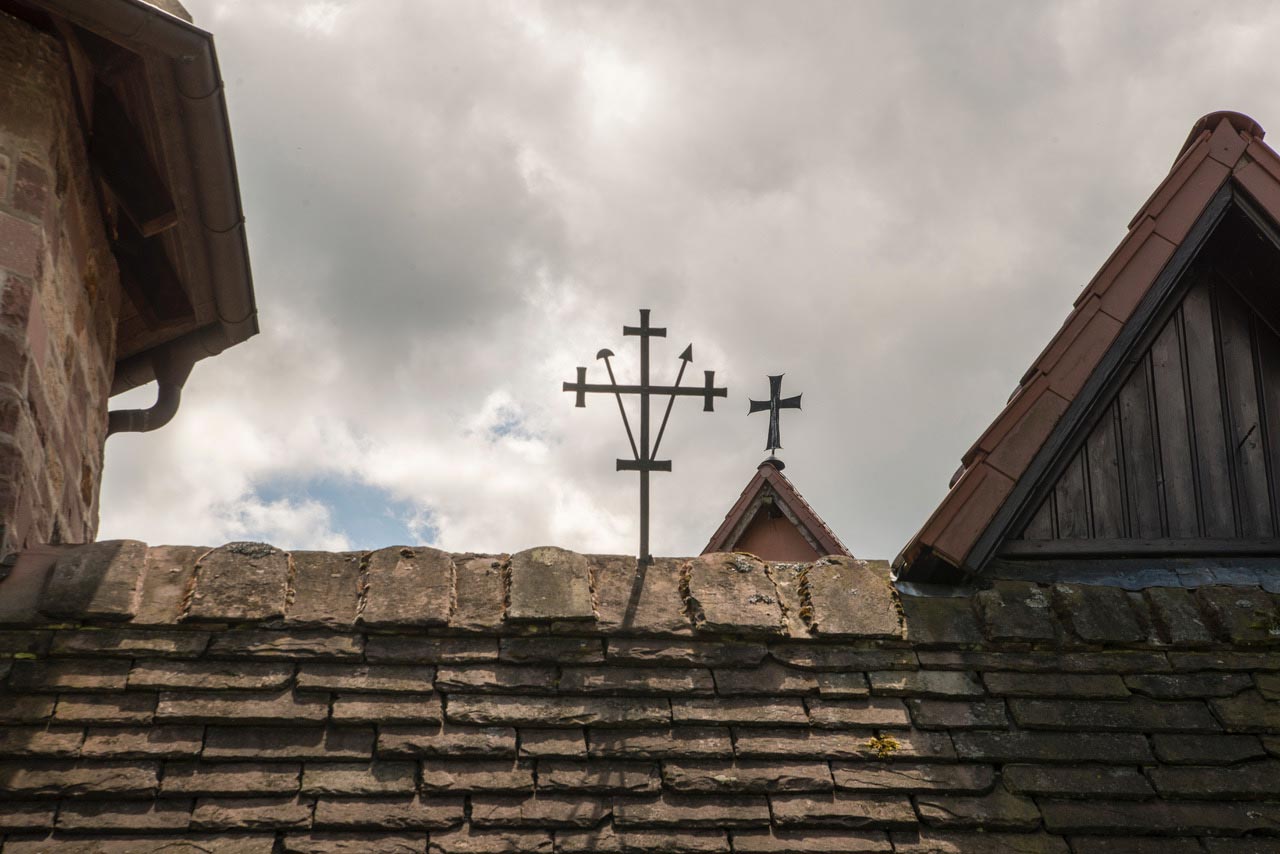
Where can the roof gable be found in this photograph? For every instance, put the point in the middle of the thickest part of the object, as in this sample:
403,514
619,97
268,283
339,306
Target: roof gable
771,519
1224,168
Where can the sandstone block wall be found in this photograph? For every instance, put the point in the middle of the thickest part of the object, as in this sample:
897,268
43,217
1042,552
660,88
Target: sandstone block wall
59,302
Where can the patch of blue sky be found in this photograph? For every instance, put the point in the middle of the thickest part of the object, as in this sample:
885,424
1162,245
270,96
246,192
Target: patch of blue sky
367,515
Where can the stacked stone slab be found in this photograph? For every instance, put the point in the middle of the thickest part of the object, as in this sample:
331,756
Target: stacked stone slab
244,699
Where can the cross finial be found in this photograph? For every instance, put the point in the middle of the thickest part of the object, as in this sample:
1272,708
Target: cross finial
775,403
643,455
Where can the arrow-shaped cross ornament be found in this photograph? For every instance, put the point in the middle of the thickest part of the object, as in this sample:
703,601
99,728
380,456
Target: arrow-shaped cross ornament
643,456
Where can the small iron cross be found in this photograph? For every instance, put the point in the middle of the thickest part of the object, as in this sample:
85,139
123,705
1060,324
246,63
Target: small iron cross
644,459
775,403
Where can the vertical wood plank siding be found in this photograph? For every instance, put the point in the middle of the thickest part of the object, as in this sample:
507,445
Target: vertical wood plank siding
1189,448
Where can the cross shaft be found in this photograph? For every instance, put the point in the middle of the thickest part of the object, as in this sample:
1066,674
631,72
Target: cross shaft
643,454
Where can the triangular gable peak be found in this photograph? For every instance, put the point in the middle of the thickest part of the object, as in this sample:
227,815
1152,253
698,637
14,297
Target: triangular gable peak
773,521
1150,425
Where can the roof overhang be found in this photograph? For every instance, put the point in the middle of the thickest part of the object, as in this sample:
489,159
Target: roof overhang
153,78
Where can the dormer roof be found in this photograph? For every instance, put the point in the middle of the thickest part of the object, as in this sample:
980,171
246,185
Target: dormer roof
772,516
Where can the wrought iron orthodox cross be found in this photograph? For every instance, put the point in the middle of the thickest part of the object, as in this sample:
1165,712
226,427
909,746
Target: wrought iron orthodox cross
644,458
775,403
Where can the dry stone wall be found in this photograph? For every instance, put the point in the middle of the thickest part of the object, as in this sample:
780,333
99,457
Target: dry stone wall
248,700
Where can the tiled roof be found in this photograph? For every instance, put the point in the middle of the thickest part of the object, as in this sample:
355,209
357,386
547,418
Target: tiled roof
769,476
1223,148
243,700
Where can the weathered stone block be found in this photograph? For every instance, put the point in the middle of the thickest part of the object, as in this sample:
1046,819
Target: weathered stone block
250,813
636,680
939,621
732,593
79,816
788,711
850,598
358,778
549,583
1253,781
474,840
640,599
43,741
770,677
1137,713
623,777
240,582
1100,781
408,587
279,743
1176,618
1098,614
236,843
1000,810
687,742
681,811
98,581
68,779
210,675
287,645
1202,749
497,679
746,775
926,841
606,840
70,674
912,777
355,843
1245,615
160,741
505,710
1112,748
1248,712
37,643
669,653
389,812
130,643
847,744
230,778
380,678
136,708
325,589
541,811
553,650
380,648
874,712
1188,685
394,709
925,683
956,714
1085,686
1171,817
480,591
554,742
446,740
486,775
165,583
1015,611
810,656
843,809
242,707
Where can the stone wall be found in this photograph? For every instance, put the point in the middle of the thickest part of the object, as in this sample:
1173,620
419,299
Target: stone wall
244,700
59,302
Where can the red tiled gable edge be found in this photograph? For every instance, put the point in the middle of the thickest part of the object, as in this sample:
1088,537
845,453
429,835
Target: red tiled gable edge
769,474
1222,146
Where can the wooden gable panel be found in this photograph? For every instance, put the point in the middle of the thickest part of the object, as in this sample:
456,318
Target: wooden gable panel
1187,449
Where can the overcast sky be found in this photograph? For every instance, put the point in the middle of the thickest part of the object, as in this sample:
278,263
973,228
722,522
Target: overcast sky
451,205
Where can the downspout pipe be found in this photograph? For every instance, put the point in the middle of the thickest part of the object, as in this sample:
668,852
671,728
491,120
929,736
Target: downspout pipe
172,367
